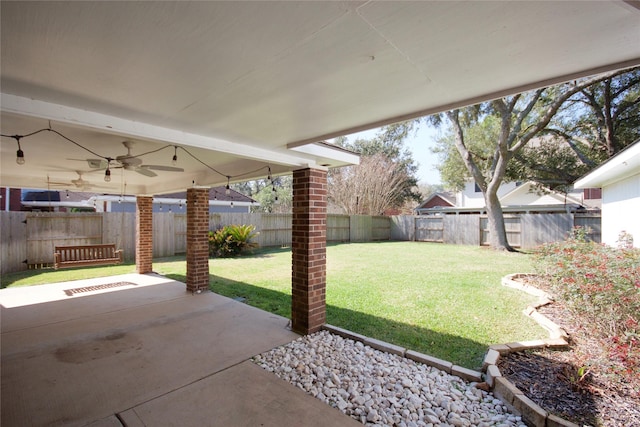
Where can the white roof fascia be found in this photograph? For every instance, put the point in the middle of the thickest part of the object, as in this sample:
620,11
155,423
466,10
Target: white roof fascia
625,163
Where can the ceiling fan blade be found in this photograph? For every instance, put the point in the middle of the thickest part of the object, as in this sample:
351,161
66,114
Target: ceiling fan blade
163,168
97,163
146,172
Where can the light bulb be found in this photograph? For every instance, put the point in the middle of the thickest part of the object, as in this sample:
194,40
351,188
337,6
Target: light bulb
231,205
228,190
20,157
107,175
174,161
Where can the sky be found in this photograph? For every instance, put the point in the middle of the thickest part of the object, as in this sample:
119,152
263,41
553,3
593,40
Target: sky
419,143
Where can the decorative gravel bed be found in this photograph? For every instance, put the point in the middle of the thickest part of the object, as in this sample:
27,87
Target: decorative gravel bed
382,389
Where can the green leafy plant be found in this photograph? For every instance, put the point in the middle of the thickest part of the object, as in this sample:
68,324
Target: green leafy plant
231,240
601,285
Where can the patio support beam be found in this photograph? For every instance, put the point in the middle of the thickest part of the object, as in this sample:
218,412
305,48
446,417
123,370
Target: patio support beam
197,239
144,234
309,232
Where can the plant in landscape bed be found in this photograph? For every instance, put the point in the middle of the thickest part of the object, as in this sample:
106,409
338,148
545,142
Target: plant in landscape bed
600,285
231,240
596,293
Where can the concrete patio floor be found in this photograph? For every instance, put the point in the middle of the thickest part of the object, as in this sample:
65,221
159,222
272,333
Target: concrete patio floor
138,350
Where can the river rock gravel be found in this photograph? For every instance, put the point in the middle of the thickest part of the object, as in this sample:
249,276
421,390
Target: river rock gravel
382,389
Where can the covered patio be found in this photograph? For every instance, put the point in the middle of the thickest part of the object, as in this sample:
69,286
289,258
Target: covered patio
150,98
137,350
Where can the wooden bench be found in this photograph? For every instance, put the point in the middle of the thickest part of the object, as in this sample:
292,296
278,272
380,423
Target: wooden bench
85,255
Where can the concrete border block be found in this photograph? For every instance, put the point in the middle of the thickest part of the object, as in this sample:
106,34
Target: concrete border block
443,365
385,346
531,412
492,373
491,358
505,390
344,333
466,374
501,348
525,345
555,421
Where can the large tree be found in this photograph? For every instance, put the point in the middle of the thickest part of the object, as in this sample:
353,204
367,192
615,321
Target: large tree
592,125
384,179
513,122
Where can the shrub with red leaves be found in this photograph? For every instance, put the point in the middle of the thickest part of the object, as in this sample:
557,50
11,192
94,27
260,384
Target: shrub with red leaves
601,285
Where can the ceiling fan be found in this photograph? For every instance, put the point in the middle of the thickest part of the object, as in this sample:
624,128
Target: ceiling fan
131,163
79,183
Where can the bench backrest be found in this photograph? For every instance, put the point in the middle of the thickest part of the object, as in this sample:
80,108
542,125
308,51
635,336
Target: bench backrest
86,252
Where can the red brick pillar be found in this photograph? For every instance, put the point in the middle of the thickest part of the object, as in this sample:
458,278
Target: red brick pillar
309,239
144,234
197,239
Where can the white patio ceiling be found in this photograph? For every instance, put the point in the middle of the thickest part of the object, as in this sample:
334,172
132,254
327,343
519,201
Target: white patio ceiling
243,85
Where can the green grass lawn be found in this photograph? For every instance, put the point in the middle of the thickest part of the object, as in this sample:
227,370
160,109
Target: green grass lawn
443,300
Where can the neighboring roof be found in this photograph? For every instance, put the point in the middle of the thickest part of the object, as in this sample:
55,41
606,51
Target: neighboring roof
527,190
624,164
438,199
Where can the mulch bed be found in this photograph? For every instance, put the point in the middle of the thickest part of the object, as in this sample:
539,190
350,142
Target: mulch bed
551,378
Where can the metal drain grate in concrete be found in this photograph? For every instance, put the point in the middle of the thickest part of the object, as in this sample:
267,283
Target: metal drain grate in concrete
71,292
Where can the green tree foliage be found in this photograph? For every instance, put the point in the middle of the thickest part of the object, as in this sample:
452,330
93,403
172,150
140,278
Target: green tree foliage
386,177
592,125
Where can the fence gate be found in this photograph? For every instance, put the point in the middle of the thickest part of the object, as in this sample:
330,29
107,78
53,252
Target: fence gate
47,230
430,229
512,226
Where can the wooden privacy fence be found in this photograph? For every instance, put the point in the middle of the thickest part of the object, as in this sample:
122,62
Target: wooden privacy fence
523,230
28,238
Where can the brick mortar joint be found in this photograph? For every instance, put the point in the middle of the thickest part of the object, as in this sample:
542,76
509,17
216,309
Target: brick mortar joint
557,335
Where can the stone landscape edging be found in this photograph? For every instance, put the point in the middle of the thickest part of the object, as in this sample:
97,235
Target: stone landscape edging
531,413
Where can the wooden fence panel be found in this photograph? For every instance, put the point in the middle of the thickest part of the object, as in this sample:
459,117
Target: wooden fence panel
380,228
512,227
544,228
403,227
360,228
13,241
163,234
593,224
462,229
119,228
275,229
46,230
180,233
429,229
338,228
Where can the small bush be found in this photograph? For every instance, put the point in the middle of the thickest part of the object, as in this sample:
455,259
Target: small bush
601,285
231,240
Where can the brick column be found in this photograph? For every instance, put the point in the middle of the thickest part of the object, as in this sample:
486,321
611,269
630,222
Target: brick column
309,239
144,234
197,239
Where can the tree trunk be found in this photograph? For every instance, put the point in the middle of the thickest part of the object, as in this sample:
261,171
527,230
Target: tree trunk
497,231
